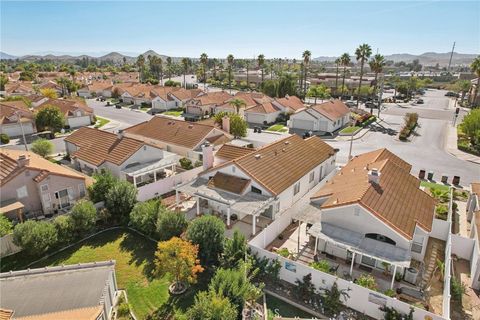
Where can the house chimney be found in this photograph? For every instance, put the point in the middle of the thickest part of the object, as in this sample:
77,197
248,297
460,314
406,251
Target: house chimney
374,176
120,134
226,124
23,160
207,155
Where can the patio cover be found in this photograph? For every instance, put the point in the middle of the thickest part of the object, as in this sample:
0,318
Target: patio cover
10,205
148,167
356,242
249,203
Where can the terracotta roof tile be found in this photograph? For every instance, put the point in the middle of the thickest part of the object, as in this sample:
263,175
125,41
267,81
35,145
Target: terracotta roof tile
228,183
397,200
267,107
332,110
215,98
9,109
292,102
89,313
6,314
230,152
67,107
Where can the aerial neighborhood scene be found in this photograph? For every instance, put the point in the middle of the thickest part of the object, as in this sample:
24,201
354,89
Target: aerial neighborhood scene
245,160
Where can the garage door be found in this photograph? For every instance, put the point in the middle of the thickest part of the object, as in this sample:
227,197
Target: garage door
303,124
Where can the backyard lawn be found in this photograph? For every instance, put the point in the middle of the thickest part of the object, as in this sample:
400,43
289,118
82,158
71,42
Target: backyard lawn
175,113
433,185
349,130
278,128
101,122
134,256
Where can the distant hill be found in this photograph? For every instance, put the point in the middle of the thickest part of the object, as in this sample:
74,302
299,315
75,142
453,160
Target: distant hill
6,56
427,58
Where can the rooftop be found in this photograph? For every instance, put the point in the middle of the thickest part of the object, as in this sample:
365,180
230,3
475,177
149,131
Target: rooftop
333,109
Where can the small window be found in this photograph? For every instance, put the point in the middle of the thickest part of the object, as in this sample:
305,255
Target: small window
296,188
44,187
256,190
312,176
22,192
233,169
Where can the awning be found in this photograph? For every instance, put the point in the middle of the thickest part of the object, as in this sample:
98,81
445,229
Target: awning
10,205
148,167
356,242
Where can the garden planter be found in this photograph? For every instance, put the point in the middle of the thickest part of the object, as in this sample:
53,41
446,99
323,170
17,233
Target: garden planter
177,288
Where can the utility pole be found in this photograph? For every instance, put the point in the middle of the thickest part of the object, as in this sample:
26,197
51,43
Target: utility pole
380,94
451,56
351,142
19,115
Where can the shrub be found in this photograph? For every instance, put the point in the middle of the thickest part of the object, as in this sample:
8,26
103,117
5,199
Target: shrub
389,293
42,147
283,252
4,138
6,226
211,305
198,163
65,229
321,265
209,233
457,289
186,163
120,200
83,216
143,217
170,224
35,237
367,281
104,180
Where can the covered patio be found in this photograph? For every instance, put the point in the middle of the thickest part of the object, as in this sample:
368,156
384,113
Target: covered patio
12,209
144,173
227,205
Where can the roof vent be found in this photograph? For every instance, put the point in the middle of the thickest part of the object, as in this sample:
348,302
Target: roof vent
287,142
257,156
374,176
284,150
190,126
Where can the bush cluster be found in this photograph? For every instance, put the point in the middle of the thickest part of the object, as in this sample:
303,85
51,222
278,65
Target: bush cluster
411,121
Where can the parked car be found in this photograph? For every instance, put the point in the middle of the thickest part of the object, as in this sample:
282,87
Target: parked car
420,101
118,106
452,94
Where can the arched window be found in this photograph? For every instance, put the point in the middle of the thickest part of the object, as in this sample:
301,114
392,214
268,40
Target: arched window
380,237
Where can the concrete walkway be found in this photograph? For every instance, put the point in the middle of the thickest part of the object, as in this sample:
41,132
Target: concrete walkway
451,146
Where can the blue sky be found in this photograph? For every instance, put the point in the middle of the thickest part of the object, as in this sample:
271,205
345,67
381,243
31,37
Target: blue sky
276,29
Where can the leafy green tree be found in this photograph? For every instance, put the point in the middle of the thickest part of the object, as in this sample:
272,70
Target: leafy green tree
218,117
170,224
144,217
209,233
141,66
286,85
237,104
84,216
319,92
3,81
462,86
4,138
42,147
261,64
234,250
332,299
65,228
269,87
6,226
104,181
49,93
212,306
35,237
305,287
238,126
475,67
169,67
362,53
471,127
120,200
50,118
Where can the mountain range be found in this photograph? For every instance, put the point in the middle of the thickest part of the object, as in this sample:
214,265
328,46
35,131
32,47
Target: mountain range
427,58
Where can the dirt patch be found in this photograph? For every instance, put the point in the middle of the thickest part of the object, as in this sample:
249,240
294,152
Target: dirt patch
464,310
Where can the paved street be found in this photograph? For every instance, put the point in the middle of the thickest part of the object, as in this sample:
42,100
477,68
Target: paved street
427,150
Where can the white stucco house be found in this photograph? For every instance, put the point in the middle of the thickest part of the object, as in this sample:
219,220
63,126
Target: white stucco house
265,113
126,158
173,97
373,212
325,117
76,112
16,119
94,89
242,183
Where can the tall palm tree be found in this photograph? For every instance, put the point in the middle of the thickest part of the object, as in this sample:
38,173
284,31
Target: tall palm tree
230,59
363,52
141,65
337,63
204,62
215,62
247,66
345,62
169,68
475,67
306,55
185,65
237,104
261,63
376,65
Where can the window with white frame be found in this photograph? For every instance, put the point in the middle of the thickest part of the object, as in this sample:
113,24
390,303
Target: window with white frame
312,176
22,192
296,188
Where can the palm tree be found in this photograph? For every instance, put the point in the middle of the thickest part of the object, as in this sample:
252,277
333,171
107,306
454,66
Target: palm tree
237,104
337,63
363,52
141,65
475,67
345,62
230,66
247,65
319,92
204,62
185,65
306,61
169,68
376,65
261,63
215,62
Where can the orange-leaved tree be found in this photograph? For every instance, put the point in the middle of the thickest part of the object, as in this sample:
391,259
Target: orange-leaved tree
178,258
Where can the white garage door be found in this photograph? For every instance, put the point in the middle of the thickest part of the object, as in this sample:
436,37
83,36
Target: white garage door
303,124
323,125
14,129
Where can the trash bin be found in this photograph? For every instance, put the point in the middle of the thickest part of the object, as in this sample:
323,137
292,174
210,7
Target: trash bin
456,180
421,174
430,175
444,179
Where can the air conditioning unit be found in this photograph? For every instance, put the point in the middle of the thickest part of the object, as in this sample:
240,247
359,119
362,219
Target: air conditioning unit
411,275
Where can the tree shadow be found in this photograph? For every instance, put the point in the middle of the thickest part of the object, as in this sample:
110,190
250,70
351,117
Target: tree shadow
142,251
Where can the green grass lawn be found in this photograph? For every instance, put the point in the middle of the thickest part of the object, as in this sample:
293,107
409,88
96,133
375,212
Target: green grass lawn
432,185
101,122
175,113
349,130
277,307
278,128
134,256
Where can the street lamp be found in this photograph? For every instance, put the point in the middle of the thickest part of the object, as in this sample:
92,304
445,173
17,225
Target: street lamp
351,140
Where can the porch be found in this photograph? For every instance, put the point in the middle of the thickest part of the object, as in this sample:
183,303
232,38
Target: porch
144,173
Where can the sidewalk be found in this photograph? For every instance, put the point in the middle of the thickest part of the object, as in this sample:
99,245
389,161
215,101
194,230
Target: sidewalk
357,136
451,146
